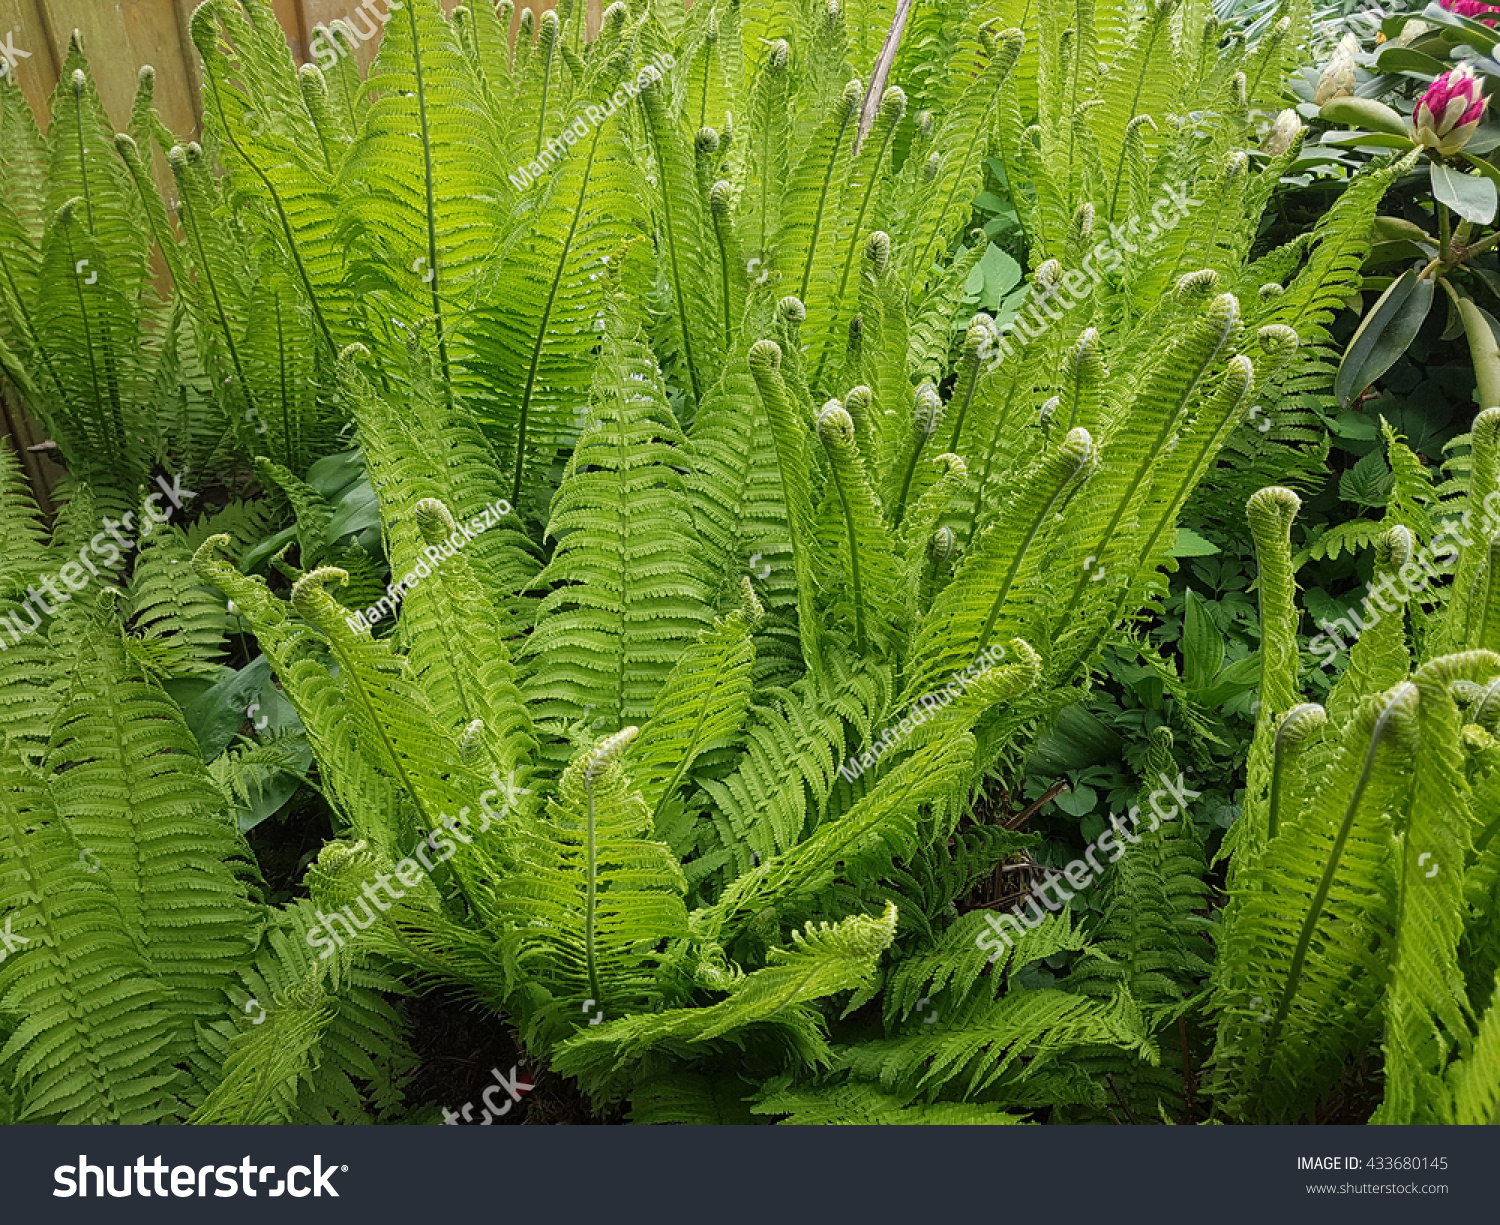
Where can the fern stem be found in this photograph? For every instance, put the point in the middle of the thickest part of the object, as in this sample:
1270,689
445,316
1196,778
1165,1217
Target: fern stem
24,314
1042,515
856,243
917,268
1278,779
83,161
591,894
963,411
1148,461
671,242
541,118
899,512
20,855
190,214
724,276
817,229
1383,724
703,109
431,196
622,571
989,463
286,226
927,415
836,467
281,349
107,419
523,424
970,379
691,752
1140,86
148,197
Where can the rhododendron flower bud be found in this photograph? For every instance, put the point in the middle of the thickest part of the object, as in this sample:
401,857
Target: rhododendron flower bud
1449,111
1337,80
1485,13
1279,139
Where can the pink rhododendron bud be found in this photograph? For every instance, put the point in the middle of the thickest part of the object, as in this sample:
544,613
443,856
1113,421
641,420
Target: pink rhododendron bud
1471,8
1449,111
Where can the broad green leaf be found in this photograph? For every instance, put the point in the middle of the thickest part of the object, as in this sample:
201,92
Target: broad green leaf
1202,644
1384,335
1369,482
358,509
1404,59
1190,544
1485,168
1394,229
1241,676
262,551
218,713
1471,196
333,474
1077,740
992,277
1369,140
1366,113
1077,800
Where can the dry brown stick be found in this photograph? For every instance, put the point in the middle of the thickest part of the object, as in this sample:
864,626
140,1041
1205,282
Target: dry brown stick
1032,809
1129,1114
882,71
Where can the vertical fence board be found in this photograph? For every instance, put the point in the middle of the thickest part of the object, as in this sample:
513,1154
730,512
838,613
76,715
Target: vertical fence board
24,27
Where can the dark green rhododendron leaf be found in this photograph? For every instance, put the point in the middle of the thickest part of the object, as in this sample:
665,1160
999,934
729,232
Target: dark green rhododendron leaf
1471,196
1385,334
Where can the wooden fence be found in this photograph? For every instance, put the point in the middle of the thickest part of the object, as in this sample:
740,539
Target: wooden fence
121,35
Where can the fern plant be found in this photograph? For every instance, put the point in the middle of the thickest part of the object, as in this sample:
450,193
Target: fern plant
1361,917
138,949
